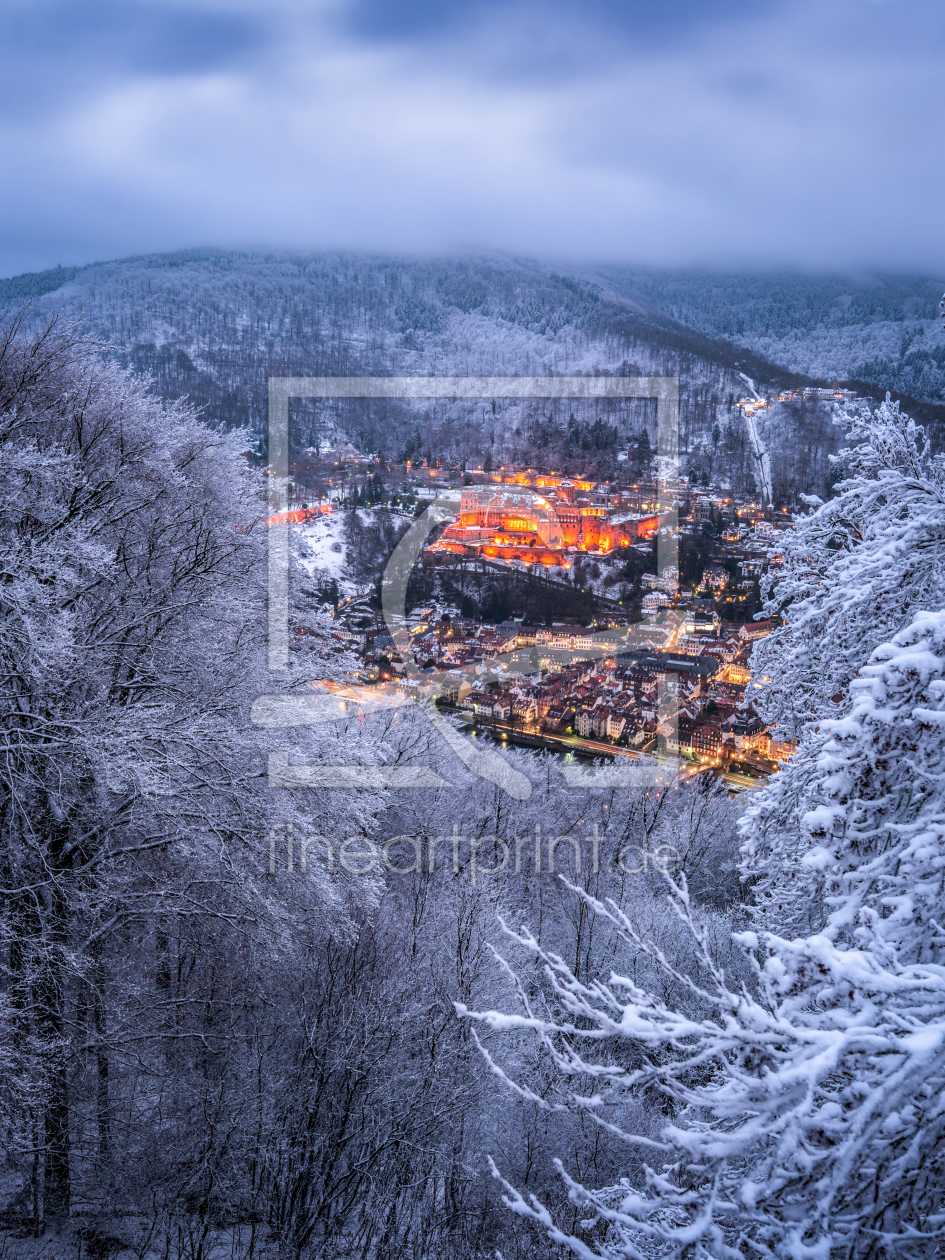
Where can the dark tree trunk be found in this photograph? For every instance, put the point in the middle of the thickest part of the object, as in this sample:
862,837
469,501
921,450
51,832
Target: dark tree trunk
102,1112
50,1010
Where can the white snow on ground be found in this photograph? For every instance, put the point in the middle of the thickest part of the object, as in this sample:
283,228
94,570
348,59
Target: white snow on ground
762,461
323,551
443,493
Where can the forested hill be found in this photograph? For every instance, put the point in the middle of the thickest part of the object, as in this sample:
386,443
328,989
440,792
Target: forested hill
883,330
213,325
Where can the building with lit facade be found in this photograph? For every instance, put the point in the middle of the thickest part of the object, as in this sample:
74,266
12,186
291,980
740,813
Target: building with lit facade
513,523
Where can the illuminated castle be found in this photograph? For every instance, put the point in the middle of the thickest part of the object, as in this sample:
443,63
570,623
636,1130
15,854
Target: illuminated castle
518,524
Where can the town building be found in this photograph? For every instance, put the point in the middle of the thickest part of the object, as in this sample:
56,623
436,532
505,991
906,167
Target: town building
707,740
753,630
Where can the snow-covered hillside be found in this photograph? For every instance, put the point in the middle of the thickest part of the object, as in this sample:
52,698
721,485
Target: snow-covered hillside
879,329
214,326
323,553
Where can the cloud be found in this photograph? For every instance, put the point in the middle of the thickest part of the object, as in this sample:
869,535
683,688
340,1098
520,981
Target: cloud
53,52
640,20
787,133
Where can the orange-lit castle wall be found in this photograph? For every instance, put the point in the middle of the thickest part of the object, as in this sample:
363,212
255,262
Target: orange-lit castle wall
528,516
300,515
505,524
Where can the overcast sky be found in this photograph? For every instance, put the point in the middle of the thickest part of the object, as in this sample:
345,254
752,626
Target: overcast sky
722,132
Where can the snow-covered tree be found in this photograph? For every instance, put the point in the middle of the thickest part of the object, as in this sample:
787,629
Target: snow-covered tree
855,570
810,1103
132,783
808,1116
